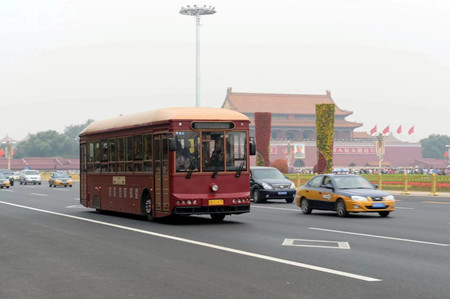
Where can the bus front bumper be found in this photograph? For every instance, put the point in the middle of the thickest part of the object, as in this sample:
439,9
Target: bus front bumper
234,209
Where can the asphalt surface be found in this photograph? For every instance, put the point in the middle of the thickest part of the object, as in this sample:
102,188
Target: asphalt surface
51,247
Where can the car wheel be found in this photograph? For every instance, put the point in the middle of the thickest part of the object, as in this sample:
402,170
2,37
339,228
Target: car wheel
54,186
20,183
341,209
39,183
384,213
289,200
217,217
49,185
304,205
257,196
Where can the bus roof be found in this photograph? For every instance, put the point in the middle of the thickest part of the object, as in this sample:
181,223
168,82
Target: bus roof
165,114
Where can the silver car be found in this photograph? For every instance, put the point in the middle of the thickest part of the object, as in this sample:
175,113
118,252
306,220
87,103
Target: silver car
30,177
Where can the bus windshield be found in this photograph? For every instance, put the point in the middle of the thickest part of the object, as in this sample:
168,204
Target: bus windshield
214,156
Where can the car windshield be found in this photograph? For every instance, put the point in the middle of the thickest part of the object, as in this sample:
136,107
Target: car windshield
267,173
61,176
2,176
352,182
31,172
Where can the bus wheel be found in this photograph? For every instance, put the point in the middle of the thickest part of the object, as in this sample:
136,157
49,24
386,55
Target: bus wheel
148,207
217,217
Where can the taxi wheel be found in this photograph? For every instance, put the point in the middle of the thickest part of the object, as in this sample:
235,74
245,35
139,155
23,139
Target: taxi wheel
341,209
54,186
384,213
49,185
304,205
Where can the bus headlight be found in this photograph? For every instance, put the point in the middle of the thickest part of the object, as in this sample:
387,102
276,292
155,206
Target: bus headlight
214,187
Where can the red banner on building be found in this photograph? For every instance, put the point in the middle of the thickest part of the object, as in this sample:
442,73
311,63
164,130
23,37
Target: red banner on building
356,150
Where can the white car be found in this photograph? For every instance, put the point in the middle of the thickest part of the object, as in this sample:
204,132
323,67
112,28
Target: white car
30,177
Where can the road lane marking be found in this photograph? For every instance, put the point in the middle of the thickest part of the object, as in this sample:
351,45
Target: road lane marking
6,190
208,245
39,194
314,243
285,209
402,208
437,202
75,206
379,237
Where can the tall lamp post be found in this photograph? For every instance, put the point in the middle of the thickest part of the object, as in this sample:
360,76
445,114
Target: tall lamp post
197,11
380,149
8,142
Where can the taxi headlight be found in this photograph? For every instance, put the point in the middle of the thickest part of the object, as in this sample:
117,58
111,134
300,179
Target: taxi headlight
390,198
292,186
358,198
266,186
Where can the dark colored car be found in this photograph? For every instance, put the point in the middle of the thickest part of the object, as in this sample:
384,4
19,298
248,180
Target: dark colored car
270,183
343,193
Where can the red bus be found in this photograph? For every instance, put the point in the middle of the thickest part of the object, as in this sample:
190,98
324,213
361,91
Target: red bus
172,161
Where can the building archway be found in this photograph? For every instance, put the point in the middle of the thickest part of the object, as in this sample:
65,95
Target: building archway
299,163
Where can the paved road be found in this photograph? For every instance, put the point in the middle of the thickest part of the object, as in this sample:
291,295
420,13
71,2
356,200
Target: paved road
51,247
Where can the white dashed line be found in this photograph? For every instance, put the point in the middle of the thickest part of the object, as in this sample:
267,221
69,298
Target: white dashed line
208,245
379,237
39,194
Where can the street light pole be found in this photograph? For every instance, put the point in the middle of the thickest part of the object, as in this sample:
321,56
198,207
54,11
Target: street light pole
197,11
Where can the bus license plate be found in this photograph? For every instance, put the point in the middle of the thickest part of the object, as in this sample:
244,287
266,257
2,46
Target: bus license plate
378,205
282,193
215,202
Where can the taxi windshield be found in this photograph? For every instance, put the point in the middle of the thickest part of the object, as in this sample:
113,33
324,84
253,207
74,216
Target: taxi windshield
352,182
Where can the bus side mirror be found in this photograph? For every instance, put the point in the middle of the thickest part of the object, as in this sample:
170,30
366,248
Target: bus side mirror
252,145
172,144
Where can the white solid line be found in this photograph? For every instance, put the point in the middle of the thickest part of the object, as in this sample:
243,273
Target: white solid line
376,236
208,245
39,194
7,190
75,206
285,209
402,208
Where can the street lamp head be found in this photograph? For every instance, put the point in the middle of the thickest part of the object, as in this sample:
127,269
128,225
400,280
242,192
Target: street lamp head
197,10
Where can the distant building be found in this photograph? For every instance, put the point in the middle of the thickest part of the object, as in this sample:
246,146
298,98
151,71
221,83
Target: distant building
294,127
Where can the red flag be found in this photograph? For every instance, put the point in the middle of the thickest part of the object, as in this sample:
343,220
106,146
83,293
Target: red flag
13,153
446,154
1,152
399,130
374,129
386,130
411,130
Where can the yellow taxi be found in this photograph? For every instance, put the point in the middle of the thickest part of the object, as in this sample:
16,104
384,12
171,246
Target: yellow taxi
343,193
4,181
60,179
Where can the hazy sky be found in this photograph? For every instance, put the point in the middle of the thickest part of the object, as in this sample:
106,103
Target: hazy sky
63,62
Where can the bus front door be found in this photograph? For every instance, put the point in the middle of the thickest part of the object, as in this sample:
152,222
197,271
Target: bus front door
161,173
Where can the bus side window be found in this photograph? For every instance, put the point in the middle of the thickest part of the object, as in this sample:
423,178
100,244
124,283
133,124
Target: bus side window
148,166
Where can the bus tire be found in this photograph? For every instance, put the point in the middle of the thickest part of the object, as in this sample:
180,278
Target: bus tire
217,217
147,204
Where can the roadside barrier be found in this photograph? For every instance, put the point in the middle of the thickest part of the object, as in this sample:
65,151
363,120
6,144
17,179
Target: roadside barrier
405,183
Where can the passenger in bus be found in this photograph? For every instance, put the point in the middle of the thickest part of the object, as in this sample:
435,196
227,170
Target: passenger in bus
184,156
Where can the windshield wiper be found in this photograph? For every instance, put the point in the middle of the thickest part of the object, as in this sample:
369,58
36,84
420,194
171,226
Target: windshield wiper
192,167
241,166
216,170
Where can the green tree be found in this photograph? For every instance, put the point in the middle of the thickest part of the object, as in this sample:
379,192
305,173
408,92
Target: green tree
52,144
45,144
73,131
434,146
